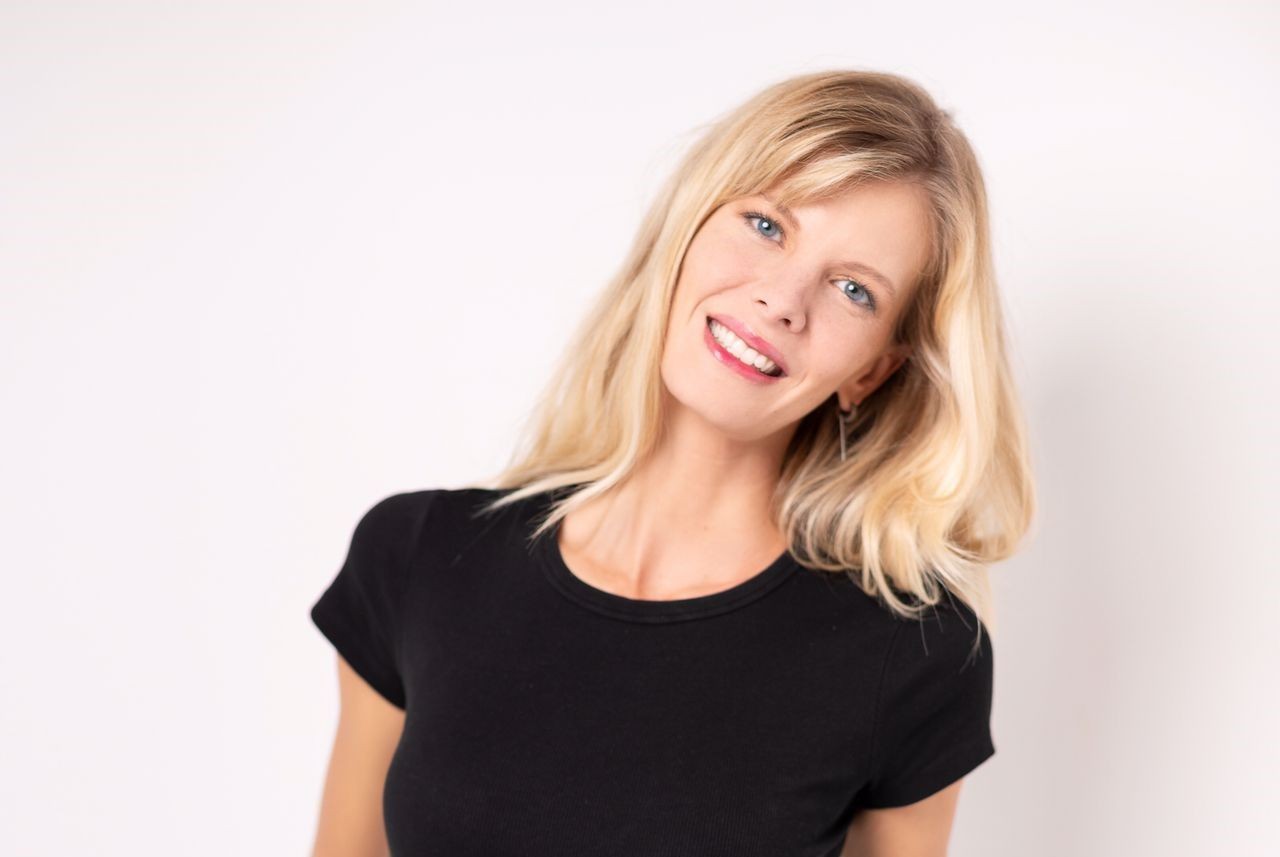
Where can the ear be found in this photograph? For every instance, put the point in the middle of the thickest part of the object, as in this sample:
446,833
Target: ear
856,388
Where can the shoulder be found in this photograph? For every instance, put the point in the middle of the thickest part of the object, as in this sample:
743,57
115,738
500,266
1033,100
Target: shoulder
948,635
437,520
933,715
941,661
401,506
395,520
406,511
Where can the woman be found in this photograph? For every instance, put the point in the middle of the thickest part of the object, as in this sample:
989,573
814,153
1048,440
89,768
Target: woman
727,599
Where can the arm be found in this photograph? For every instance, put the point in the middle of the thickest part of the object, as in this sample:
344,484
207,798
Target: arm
920,829
369,727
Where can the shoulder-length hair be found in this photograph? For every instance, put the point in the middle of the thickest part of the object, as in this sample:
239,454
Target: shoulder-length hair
936,484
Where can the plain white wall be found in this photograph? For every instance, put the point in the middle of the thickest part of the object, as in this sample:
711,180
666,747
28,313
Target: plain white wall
264,263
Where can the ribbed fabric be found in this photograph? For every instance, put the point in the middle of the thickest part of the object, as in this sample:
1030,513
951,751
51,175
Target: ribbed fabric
547,717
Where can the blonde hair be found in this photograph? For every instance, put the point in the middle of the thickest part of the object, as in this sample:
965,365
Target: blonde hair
937,482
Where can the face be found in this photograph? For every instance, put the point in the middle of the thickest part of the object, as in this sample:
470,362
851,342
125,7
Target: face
816,290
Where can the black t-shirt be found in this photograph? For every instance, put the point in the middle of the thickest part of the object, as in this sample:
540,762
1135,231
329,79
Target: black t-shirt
545,716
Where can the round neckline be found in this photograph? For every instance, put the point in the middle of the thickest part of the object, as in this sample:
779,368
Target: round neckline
551,558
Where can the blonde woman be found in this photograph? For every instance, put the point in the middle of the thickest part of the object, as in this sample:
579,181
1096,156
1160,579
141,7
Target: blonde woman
731,596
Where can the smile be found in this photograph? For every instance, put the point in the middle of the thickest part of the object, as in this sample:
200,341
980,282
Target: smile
731,349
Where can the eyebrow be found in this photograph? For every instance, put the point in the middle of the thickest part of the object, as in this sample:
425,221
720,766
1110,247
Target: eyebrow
862,267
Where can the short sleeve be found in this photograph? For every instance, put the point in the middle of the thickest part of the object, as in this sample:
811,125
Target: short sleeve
359,612
933,722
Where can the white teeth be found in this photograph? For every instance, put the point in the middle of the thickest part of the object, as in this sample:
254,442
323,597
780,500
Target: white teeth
739,349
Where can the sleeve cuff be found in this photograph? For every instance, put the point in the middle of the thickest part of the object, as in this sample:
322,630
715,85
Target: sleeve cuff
346,642
960,762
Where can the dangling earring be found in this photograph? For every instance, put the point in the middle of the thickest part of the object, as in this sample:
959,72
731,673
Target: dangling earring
845,418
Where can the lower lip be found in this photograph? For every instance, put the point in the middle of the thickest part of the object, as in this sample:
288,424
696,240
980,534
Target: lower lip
748,372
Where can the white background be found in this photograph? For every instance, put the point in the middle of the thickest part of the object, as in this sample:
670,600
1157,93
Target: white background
264,263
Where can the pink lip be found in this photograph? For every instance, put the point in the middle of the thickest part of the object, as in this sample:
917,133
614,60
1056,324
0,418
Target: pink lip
732,363
744,331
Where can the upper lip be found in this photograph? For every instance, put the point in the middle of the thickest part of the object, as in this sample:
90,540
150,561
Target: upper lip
749,336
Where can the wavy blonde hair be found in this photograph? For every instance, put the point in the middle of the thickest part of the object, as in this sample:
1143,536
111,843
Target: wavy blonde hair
937,483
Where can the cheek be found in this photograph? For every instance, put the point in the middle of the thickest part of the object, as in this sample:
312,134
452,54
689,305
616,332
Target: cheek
711,268
837,357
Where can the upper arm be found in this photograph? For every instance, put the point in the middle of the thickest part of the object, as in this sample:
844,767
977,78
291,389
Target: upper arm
920,829
933,720
369,728
360,613
932,729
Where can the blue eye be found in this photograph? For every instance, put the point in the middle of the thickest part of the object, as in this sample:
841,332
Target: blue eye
755,215
870,301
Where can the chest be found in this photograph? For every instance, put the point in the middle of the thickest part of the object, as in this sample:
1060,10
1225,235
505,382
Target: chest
532,729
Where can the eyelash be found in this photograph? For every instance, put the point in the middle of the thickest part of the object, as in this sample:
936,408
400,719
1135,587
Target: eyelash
753,215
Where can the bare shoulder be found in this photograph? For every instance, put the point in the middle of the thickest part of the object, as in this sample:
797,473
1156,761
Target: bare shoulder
920,829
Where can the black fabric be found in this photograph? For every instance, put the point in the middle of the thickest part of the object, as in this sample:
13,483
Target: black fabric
547,717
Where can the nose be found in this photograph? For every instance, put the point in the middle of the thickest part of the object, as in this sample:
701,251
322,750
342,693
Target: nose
783,306
784,292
